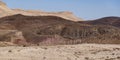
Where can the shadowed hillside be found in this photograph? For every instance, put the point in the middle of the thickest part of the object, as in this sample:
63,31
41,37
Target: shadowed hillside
52,30
113,21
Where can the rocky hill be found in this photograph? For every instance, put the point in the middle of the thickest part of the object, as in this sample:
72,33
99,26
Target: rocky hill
51,30
5,11
113,21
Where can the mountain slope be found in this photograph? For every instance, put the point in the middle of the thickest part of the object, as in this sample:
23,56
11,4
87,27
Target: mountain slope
56,30
4,10
113,21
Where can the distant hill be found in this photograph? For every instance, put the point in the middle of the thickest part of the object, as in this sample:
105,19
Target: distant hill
5,11
56,30
113,21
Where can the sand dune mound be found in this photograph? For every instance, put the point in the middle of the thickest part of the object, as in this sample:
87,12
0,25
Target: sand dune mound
64,14
5,11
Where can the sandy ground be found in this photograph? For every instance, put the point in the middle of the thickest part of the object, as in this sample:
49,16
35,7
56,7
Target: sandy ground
63,52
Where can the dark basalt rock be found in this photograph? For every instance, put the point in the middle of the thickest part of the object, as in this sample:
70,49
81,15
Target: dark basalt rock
113,21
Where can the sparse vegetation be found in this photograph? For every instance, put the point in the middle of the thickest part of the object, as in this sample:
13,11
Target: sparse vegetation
86,58
10,51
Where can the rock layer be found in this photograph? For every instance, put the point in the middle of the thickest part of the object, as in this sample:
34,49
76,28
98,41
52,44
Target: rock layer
56,30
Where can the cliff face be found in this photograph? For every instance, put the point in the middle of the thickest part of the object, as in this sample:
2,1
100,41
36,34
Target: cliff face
5,11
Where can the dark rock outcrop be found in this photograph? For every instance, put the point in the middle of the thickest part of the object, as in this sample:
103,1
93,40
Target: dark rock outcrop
113,21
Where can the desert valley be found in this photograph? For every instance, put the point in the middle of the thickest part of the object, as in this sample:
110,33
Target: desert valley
40,35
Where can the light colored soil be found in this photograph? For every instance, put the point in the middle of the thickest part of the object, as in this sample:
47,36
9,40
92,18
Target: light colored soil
6,11
63,52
